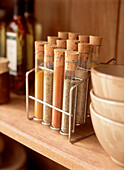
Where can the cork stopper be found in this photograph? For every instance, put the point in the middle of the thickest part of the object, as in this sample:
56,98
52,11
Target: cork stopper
71,58
59,57
4,65
39,46
73,35
95,40
83,47
63,35
52,39
83,38
61,43
49,52
72,45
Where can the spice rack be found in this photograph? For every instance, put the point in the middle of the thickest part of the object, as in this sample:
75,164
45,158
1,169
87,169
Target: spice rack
80,81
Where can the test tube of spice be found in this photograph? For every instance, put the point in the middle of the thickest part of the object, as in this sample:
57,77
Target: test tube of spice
63,35
94,59
59,60
83,38
73,35
72,45
71,62
95,42
48,82
39,59
61,44
82,89
52,39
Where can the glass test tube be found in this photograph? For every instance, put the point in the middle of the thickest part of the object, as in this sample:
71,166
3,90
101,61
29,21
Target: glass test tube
94,59
71,62
82,72
48,82
39,59
59,60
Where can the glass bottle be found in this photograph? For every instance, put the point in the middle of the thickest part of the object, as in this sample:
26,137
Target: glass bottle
48,82
29,23
59,60
71,63
2,33
15,48
82,89
39,74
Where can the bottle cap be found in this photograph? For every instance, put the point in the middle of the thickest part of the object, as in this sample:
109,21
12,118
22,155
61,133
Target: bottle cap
61,43
49,52
4,65
72,45
95,40
52,39
63,35
73,35
84,38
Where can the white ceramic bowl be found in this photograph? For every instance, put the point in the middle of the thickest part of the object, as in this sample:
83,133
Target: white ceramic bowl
110,109
110,135
108,81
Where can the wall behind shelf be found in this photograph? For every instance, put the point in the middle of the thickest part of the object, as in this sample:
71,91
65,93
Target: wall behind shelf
95,17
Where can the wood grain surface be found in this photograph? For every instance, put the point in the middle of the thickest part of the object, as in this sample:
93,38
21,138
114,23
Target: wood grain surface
97,17
85,154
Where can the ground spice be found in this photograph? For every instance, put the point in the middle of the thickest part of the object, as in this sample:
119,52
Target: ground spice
48,89
81,96
59,57
66,99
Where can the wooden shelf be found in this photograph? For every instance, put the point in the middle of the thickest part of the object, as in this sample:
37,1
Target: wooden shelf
85,154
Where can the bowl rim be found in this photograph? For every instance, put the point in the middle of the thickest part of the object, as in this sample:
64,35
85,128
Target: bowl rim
109,76
104,118
112,102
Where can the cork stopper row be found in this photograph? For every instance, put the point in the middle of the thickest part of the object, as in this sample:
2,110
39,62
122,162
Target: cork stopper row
49,52
71,58
52,39
61,43
83,47
63,35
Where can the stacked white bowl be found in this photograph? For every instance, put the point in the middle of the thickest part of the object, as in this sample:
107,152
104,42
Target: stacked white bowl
107,109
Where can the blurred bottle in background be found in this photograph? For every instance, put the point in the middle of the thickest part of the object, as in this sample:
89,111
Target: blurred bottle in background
15,48
2,33
33,33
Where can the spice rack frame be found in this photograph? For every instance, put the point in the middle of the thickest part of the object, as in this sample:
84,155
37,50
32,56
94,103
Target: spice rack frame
70,102
53,107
